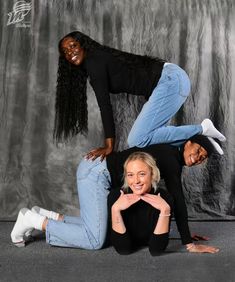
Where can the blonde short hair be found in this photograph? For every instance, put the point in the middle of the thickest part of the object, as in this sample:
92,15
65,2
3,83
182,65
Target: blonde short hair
148,160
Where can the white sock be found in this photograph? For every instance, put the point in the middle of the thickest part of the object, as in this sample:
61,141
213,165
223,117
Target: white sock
216,146
44,212
48,214
26,220
208,129
28,233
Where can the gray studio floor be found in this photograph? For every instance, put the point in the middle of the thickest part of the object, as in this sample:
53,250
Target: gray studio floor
41,262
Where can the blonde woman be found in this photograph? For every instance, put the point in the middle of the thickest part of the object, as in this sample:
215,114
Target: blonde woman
140,213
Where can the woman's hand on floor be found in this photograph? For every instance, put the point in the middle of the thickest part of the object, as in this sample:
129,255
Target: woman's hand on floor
193,248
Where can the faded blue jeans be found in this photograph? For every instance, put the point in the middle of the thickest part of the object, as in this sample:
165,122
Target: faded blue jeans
93,179
88,231
151,127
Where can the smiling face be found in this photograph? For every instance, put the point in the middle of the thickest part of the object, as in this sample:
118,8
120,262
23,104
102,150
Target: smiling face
194,154
138,177
72,51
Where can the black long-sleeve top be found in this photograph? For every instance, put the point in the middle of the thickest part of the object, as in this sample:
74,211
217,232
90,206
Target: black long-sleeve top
140,221
169,160
109,75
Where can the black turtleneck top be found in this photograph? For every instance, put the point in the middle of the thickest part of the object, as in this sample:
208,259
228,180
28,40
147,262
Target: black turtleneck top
110,75
170,161
140,221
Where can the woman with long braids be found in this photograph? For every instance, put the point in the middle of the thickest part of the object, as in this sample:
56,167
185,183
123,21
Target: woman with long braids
166,87
110,71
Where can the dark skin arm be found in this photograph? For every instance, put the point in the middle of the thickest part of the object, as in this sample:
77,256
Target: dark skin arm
102,152
181,216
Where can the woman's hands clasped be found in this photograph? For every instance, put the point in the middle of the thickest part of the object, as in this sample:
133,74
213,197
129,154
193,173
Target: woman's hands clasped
125,201
157,202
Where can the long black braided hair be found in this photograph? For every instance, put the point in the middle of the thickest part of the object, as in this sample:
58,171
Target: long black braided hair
71,115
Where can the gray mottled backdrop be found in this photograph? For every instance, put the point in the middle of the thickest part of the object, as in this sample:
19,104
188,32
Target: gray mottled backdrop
197,35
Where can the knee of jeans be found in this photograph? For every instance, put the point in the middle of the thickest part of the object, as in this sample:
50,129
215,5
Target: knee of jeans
136,141
129,140
97,242
91,246
132,140
98,245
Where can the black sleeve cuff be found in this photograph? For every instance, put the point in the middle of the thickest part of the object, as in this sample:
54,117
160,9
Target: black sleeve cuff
158,243
121,242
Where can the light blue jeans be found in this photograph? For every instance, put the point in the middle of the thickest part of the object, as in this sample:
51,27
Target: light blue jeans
88,231
150,127
93,179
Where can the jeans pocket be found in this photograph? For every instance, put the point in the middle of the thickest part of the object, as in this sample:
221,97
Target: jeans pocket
86,167
95,170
